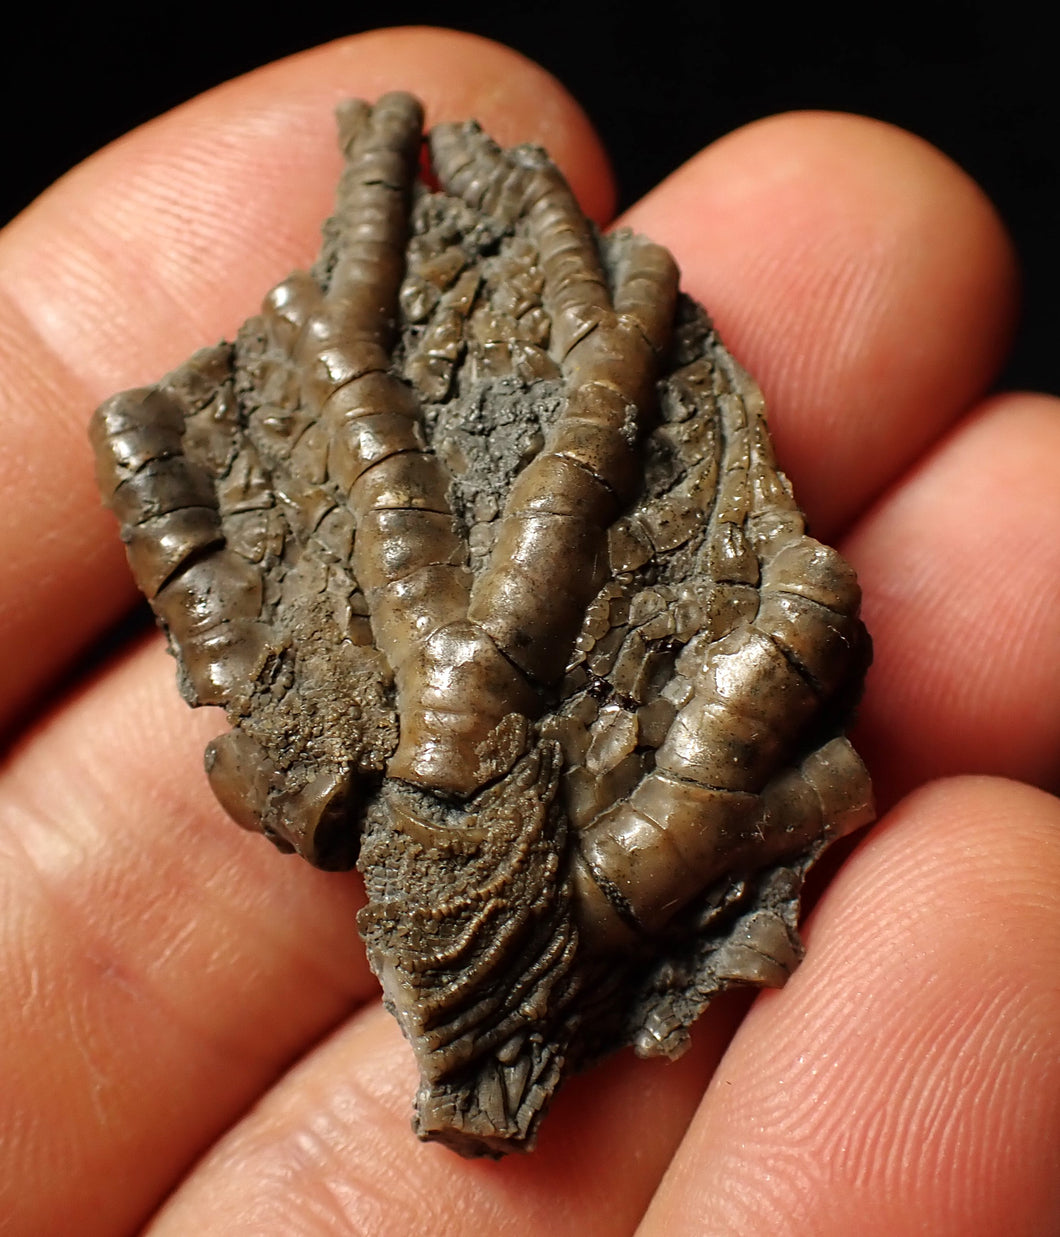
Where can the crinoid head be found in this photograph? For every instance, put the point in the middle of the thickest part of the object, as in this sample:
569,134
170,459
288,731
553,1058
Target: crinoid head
469,928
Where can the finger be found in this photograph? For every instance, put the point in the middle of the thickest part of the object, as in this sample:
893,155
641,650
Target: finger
960,565
331,1150
908,1079
165,242
859,275
159,966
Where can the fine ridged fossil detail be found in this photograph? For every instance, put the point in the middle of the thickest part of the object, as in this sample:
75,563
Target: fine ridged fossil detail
476,534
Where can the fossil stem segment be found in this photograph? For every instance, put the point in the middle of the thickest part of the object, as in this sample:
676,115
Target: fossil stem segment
715,801
562,503
409,556
521,616
655,852
207,596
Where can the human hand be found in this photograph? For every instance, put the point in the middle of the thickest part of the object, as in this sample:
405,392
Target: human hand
163,972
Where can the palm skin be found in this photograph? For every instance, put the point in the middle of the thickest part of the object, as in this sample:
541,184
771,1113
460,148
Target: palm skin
192,1038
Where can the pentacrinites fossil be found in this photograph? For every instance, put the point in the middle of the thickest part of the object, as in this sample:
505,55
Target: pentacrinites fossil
476,534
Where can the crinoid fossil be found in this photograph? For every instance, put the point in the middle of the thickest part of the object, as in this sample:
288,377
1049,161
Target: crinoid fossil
476,534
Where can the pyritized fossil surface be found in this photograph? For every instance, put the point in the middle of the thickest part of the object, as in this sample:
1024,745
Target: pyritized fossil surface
476,534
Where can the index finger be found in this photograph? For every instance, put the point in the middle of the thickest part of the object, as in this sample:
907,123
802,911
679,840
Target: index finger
864,280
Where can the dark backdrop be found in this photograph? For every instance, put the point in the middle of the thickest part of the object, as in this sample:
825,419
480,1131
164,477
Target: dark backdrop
979,81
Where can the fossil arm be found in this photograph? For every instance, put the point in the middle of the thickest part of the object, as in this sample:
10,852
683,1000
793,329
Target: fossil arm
476,534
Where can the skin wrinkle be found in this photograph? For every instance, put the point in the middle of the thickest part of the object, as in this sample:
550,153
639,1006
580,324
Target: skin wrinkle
774,1204
142,982
322,1192
859,297
853,293
923,1115
78,276
70,541
94,1043
299,1160
357,1199
958,1139
475,1196
78,542
81,1070
19,329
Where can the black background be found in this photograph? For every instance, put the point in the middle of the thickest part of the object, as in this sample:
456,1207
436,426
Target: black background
978,81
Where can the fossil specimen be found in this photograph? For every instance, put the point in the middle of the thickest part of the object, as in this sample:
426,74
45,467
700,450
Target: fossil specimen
476,534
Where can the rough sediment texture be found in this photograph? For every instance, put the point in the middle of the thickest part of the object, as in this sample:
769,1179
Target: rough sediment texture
476,534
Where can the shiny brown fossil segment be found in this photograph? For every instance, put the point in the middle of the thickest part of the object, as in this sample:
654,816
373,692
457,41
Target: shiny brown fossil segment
476,534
